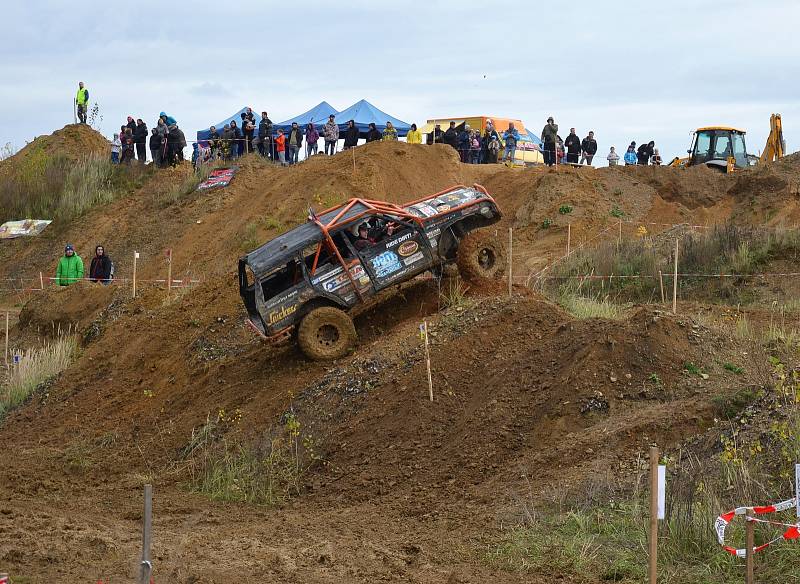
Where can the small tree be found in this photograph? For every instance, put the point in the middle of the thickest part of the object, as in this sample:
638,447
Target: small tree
7,151
95,118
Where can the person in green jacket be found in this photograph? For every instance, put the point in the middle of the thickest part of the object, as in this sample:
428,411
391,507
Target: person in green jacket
70,267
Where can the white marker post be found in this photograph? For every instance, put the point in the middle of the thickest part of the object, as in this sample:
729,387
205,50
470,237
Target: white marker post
797,487
424,328
168,253
135,257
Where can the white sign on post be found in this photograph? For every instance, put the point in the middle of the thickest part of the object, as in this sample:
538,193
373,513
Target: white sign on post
662,490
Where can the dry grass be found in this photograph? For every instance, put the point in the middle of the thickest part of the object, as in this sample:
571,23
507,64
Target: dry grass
36,367
582,307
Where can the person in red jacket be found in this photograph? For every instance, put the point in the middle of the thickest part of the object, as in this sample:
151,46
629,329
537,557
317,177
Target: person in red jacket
280,147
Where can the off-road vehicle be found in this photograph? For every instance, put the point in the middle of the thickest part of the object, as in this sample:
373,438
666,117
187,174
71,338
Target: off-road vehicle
305,281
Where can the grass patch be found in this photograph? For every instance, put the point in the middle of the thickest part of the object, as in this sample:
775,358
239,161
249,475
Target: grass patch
268,473
453,294
582,307
728,407
725,249
56,187
733,368
249,238
36,367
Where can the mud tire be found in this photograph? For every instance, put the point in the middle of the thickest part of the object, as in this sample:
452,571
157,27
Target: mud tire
481,257
326,333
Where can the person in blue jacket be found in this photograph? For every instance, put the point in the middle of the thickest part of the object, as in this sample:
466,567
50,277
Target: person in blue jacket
510,137
630,156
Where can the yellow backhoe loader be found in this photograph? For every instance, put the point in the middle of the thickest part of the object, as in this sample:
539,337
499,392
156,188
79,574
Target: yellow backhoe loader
723,148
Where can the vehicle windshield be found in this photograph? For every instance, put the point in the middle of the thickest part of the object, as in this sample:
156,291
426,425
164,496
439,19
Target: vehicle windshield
702,148
739,150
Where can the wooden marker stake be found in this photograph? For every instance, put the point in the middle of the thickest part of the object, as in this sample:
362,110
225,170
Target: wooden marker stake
569,236
169,272
750,541
146,568
510,255
428,358
653,563
6,340
675,282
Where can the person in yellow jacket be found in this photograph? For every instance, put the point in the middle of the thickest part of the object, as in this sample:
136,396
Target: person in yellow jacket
414,136
82,101
70,267
390,133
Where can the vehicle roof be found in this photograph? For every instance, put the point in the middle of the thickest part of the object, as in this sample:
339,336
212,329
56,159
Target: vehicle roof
723,128
276,251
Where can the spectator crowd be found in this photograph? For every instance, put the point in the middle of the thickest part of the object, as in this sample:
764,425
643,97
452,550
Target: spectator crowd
488,145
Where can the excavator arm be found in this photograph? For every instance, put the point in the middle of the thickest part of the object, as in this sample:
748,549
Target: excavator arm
776,147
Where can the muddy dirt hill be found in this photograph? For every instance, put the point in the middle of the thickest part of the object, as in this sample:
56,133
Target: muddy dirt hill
527,400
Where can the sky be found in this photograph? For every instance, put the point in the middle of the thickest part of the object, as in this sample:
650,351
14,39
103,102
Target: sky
627,70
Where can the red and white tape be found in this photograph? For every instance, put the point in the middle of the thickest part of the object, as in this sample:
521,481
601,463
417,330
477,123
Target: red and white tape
793,531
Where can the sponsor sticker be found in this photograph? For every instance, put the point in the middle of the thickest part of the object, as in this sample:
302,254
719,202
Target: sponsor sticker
282,313
399,240
413,259
408,248
386,263
357,272
282,299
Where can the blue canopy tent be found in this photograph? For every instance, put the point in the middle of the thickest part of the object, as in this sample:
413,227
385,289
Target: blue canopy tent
318,115
528,136
364,113
203,134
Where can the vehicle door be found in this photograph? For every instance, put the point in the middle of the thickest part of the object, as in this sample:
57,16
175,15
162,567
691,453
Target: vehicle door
397,257
328,277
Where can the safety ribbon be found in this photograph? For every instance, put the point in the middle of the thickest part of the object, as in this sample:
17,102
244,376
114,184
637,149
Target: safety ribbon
721,523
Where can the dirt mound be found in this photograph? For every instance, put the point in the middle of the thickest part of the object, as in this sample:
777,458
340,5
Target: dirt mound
526,388
61,308
73,142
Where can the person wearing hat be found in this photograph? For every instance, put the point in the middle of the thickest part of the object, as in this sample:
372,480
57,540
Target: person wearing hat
549,137
331,132
510,137
363,241
70,267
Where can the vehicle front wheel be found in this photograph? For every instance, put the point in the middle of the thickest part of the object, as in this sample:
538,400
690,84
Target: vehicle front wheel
326,333
481,257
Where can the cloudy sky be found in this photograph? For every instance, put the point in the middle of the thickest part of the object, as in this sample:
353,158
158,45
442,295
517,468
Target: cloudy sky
627,70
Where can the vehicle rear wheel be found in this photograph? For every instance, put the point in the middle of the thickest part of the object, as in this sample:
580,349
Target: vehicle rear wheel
326,333
481,257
